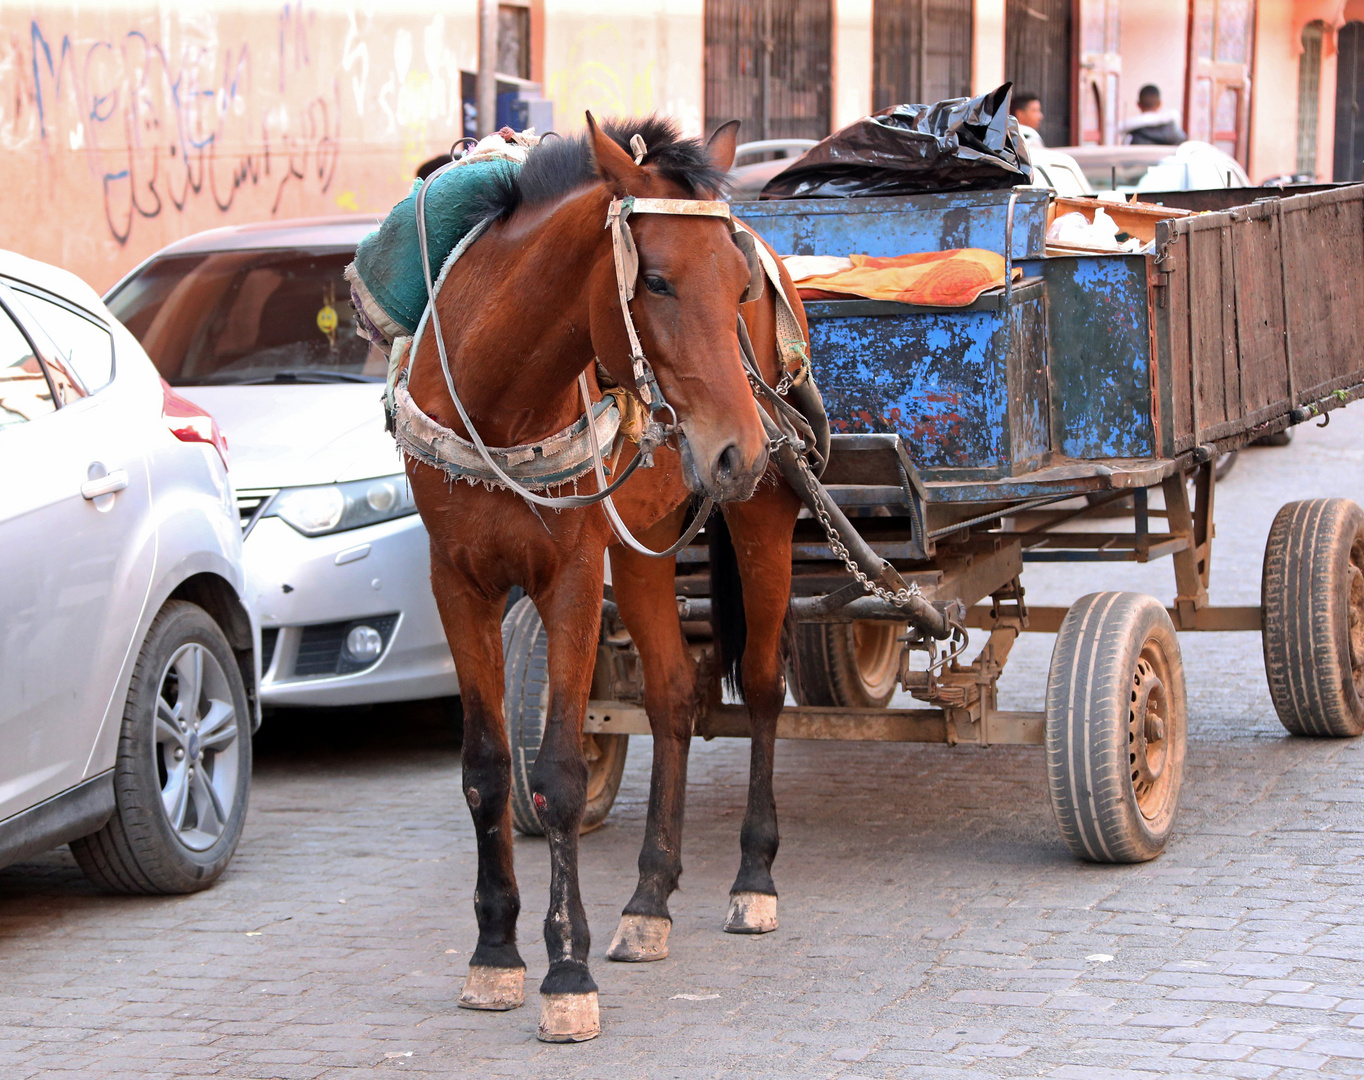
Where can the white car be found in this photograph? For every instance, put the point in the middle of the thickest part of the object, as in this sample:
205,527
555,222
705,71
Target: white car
128,648
1190,166
254,324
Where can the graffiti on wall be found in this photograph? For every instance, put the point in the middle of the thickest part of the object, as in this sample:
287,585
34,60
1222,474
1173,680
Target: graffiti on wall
143,125
161,120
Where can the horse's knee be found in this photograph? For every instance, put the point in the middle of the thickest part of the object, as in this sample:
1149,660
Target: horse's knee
558,785
485,770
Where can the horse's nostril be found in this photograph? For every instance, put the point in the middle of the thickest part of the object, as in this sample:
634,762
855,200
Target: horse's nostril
727,464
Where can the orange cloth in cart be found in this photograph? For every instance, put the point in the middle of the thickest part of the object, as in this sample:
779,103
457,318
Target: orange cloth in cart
933,278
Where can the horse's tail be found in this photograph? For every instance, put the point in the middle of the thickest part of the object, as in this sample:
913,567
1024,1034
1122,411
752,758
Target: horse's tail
727,623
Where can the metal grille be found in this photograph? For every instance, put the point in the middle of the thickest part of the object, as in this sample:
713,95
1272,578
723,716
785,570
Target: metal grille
1349,149
269,638
769,64
1037,58
921,51
320,647
250,500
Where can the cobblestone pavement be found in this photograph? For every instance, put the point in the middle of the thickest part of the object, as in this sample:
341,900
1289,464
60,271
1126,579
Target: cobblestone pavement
932,924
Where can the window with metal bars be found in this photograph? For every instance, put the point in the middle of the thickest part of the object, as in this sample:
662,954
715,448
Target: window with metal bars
1349,141
921,51
769,64
1309,96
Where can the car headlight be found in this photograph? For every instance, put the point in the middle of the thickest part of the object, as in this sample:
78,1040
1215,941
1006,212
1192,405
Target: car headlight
332,508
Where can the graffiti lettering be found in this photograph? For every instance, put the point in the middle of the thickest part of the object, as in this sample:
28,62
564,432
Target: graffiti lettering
162,121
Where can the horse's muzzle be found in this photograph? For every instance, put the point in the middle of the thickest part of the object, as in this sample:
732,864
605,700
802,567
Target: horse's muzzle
728,476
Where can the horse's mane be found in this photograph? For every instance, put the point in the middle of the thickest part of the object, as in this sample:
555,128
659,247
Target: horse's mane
559,166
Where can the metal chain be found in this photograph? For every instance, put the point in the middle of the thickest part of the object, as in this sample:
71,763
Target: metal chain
899,598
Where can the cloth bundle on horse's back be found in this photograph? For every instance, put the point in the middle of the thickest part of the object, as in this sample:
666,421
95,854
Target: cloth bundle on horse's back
386,276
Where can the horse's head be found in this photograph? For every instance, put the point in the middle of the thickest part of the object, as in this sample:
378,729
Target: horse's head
690,281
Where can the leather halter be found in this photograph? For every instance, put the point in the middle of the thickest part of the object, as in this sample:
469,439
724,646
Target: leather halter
626,255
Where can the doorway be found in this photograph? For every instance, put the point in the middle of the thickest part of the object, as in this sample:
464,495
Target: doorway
1217,99
1038,58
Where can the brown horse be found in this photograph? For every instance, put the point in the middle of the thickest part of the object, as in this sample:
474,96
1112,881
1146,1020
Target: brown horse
524,312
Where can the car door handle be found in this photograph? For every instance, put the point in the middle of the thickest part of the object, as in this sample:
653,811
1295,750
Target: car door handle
105,485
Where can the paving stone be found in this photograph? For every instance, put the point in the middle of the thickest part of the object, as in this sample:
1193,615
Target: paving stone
932,923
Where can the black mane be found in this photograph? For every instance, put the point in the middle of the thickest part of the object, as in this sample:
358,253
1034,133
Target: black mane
562,165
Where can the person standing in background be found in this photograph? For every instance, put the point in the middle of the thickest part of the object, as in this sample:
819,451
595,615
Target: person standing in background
1027,110
1152,125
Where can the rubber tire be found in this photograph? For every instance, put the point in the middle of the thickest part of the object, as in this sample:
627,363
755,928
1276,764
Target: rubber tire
1089,691
1310,593
827,671
137,851
525,647
1279,438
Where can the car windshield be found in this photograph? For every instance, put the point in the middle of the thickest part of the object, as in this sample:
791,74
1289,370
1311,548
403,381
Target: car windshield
1115,175
248,317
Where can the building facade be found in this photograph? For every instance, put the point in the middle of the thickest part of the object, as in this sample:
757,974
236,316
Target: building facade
125,127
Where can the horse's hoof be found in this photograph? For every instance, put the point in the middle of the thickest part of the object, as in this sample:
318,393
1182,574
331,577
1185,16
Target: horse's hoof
751,913
569,1017
640,938
493,988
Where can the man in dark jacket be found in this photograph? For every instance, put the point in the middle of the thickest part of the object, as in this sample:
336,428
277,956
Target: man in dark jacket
1153,125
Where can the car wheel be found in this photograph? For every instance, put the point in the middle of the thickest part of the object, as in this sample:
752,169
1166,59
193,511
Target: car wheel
184,764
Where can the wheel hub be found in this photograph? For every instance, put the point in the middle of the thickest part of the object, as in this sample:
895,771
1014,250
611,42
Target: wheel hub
1146,729
1356,621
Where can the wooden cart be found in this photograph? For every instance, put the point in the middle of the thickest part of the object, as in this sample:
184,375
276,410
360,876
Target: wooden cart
972,441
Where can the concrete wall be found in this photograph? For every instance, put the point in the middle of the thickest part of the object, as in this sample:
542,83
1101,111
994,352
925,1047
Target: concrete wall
125,127
1152,39
852,61
987,53
625,57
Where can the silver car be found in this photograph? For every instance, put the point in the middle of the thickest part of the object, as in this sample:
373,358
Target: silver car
128,648
254,324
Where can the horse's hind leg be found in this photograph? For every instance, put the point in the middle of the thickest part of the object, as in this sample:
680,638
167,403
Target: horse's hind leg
472,626
571,609
644,590
761,530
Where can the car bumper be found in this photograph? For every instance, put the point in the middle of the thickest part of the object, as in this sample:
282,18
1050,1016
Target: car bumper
310,591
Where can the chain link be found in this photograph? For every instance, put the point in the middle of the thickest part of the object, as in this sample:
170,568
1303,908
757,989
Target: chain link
899,598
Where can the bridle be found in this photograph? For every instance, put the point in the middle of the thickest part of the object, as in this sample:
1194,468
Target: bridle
625,255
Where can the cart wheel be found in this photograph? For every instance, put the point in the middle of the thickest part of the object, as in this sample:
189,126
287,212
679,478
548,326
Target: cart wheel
1116,724
1312,596
1279,438
526,703
853,665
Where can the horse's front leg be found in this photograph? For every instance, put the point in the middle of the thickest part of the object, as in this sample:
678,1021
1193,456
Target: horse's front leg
761,531
571,610
644,590
472,626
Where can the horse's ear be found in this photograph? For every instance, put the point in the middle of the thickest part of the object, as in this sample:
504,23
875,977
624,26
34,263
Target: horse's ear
722,145
613,164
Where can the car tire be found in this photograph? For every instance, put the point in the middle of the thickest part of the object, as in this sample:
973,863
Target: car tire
183,772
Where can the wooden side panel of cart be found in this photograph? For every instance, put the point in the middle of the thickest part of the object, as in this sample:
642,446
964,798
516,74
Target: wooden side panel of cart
1259,310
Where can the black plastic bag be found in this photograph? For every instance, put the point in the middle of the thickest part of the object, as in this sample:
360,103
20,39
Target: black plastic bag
960,144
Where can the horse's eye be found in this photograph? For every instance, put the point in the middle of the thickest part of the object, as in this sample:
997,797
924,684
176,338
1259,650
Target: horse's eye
656,284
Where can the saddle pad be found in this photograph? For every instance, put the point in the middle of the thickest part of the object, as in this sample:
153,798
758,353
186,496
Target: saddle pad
387,263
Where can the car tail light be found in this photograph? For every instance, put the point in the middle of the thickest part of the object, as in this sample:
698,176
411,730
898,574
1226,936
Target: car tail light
189,423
